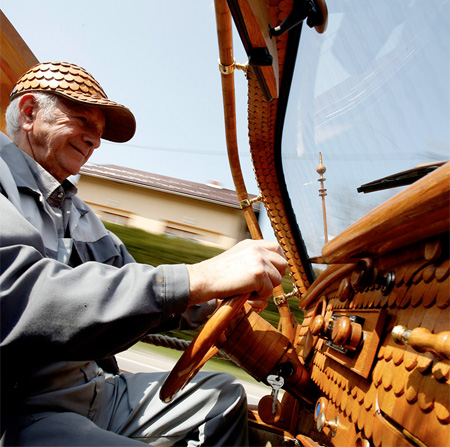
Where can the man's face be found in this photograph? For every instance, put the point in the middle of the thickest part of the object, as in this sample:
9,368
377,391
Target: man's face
63,141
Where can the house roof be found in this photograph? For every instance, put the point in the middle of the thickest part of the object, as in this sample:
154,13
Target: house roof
208,192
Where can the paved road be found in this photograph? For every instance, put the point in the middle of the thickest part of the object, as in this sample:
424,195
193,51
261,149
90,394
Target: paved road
137,359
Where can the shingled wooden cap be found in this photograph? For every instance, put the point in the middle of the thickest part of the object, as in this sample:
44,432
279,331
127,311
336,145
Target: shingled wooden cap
76,84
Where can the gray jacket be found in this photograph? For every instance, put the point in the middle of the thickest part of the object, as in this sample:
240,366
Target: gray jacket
55,314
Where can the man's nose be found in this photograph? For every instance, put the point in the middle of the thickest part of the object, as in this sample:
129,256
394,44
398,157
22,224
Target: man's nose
92,138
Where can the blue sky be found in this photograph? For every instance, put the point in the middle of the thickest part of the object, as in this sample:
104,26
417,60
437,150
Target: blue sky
160,59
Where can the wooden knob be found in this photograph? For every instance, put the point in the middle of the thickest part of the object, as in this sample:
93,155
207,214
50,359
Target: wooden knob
332,424
317,325
321,407
422,340
355,337
342,330
265,410
363,275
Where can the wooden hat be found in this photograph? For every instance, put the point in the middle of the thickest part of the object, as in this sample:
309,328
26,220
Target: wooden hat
76,84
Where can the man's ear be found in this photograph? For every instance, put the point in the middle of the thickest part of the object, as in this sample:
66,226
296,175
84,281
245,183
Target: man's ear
27,111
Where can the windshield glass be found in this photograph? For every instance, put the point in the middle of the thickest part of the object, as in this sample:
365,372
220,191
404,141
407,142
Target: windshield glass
372,96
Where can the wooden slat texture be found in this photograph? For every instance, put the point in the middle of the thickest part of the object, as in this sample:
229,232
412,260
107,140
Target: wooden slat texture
15,59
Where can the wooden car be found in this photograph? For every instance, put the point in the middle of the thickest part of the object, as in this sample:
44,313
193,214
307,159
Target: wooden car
367,97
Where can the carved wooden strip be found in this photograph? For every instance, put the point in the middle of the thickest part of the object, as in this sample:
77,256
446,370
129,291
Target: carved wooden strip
377,374
415,318
443,294
424,361
361,418
427,394
440,320
416,294
363,387
257,18
344,400
410,359
369,398
398,385
269,347
348,405
412,387
442,272
339,396
403,297
405,317
393,297
398,355
388,376
368,425
389,350
412,270
384,300
442,406
441,371
381,351
429,273
356,408
429,293
354,389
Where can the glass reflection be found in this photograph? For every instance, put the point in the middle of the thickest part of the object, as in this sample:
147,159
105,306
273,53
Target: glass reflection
371,95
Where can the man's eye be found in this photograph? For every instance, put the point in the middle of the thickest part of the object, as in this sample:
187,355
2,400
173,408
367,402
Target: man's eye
82,119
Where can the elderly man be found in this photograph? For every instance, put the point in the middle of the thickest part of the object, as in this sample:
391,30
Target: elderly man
71,293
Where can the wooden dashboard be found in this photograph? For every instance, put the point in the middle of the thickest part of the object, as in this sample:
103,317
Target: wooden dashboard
376,333
372,355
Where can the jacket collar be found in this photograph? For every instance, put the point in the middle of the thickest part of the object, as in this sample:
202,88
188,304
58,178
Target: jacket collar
21,173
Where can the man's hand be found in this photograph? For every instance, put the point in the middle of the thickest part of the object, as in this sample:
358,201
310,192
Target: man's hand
251,266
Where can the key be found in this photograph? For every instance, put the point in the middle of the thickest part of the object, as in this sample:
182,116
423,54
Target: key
276,382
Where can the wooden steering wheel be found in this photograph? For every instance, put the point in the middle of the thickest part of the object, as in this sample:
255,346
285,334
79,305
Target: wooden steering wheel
202,348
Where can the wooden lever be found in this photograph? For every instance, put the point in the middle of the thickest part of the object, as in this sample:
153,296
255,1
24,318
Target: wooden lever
422,340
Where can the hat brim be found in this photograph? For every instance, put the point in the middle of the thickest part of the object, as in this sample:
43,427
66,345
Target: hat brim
120,123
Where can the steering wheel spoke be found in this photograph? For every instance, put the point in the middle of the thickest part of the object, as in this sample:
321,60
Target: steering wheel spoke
202,348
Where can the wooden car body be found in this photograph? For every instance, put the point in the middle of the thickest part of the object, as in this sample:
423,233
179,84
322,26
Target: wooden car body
370,360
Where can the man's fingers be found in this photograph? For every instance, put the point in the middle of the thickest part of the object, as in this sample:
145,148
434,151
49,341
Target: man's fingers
278,261
258,305
270,266
249,267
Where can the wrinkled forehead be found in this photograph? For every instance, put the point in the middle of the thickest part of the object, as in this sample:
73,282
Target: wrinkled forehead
92,112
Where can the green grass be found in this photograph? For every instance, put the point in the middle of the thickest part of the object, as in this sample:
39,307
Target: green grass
155,249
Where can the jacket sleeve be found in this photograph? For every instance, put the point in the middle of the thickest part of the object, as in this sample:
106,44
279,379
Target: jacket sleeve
91,311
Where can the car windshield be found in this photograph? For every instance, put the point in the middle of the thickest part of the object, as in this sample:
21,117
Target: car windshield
372,96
